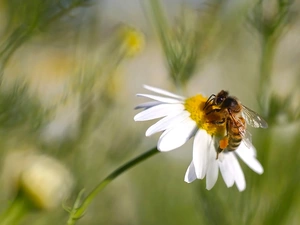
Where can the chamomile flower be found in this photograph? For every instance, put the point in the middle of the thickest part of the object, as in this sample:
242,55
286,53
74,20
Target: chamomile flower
184,118
42,180
132,41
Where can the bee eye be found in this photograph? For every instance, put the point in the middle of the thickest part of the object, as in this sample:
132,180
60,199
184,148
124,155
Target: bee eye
219,100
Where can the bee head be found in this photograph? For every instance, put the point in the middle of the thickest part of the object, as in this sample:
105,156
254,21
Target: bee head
221,97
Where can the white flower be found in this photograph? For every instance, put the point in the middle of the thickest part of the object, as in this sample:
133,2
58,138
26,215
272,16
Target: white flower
46,182
41,179
184,118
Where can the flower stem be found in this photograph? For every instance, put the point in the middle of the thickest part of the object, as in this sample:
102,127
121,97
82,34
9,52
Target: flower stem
161,24
16,211
78,210
267,58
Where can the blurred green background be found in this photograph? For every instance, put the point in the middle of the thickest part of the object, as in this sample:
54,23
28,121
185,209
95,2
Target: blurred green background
69,73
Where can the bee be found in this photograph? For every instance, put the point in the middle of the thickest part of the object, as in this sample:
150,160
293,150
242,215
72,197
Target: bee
236,116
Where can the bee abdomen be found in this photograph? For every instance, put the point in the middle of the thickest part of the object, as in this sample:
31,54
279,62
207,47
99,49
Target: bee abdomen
234,141
233,145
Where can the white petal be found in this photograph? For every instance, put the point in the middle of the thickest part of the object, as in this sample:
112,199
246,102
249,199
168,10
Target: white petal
167,122
147,105
190,174
212,168
163,92
177,136
160,99
239,177
251,149
246,155
158,111
226,169
201,147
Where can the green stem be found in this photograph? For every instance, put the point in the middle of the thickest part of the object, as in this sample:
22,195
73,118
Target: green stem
268,50
163,29
78,211
271,34
161,24
15,212
21,35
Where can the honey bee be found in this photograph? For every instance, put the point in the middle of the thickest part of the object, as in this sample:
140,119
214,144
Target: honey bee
236,116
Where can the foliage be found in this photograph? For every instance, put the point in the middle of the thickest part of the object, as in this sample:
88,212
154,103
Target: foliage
93,105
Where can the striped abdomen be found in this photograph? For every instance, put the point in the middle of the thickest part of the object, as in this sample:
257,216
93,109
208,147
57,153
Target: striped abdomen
234,130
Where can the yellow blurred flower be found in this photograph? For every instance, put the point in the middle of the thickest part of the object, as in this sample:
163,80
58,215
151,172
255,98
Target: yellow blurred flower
132,41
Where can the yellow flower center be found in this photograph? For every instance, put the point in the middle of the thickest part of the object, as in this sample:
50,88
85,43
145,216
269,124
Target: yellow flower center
213,122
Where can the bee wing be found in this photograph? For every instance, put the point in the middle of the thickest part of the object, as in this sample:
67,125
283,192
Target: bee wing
247,138
245,134
253,119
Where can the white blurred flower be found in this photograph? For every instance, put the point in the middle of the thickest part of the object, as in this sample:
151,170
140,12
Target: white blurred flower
184,118
43,180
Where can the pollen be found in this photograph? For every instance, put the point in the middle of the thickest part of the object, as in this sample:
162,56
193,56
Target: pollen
214,123
223,143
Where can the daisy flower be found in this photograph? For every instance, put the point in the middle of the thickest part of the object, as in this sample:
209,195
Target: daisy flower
183,118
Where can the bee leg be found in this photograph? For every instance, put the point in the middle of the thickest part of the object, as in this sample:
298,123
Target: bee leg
219,122
219,150
213,110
